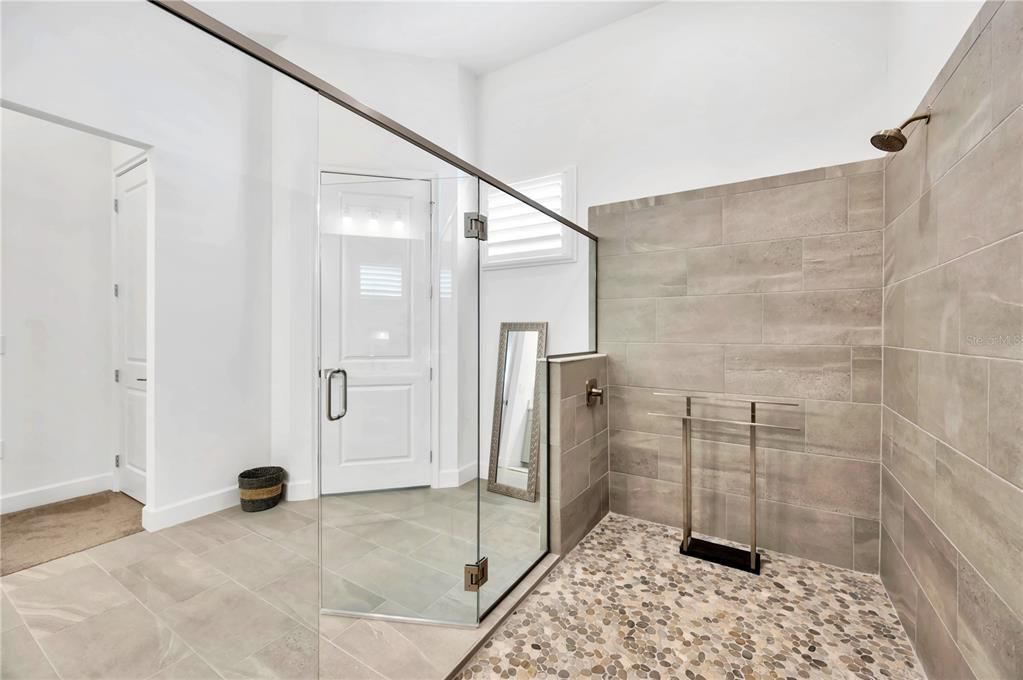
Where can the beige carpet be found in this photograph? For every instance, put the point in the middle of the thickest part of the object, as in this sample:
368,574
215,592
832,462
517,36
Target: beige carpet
37,535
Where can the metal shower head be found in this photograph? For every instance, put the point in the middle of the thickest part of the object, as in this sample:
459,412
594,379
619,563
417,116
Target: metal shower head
893,139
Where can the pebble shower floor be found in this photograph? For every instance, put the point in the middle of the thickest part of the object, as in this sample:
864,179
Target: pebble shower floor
625,604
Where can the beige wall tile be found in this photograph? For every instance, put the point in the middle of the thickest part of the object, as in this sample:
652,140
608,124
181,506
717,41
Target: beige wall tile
892,507
589,418
1005,420
610,229
932,559
616,358
851,487
899,582
912,461
575,373
795,210
866,544
710,512
746,268
785,416
725,467
801,372
634,453
631,408
866,201
961,113
980,200
988,633
980,513
1007,60
910,242
574,473
843,429
991,289
641,275
714,318
843,260
866,374
929,316
626,320
670,366
582,514
936,647
953,401
901,379
842,317
669,460
695,222
805,532
600,460
904,176
645,498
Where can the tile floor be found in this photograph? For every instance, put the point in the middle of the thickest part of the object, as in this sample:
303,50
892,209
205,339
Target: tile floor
234,595
625,604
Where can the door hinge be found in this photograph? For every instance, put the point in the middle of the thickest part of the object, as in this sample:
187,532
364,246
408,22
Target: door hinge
431,372
117,290
117,205
431,456
117,375
117,460
476,226
476,575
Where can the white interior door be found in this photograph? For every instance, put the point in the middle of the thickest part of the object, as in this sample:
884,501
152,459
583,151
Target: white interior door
375,333
131,217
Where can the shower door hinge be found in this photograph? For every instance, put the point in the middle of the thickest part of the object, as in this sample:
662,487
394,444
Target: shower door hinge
117,375
117,290
431,456
117,205
476,575
117,460
476,226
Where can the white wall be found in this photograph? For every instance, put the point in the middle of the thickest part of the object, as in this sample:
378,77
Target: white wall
921,36
58,390
687,95
132,70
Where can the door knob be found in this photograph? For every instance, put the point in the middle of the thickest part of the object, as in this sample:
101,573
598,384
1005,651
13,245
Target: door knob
593,393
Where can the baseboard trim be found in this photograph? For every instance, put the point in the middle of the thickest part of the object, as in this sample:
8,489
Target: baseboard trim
299,491
53,493
453,477
154,519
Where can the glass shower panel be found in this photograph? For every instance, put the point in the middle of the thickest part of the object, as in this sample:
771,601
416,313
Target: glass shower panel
536,300
398,318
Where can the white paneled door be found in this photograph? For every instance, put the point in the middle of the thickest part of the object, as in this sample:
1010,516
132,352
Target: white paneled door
375,333
130,235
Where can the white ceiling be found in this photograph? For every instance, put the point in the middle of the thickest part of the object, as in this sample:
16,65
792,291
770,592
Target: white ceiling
482,36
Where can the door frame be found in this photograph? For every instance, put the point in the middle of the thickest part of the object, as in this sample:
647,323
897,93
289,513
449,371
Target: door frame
432,420
144,157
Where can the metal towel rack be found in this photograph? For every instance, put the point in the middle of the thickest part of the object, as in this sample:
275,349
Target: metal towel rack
708,550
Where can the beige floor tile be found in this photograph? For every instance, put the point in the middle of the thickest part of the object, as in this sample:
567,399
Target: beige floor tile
338,665
304,541
446,553
128,550
189,668
341,594
310,507
407,582
42,572
227,624
203,534
126,641
168,578
391,501
296,594
340,547
394,534
293,656
331,626
21,658
379,646
254,561
56,603
9,616
274,523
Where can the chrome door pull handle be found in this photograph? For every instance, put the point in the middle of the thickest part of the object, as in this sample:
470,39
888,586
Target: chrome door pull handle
330,394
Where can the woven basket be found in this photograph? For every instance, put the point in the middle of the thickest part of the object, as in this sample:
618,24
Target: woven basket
261,488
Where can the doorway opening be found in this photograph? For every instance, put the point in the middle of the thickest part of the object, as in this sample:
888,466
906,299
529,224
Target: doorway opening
77,212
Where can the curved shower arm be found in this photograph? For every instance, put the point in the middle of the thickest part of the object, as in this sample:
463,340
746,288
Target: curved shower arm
922,116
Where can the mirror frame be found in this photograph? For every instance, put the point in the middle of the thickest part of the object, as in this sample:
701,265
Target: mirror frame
532,481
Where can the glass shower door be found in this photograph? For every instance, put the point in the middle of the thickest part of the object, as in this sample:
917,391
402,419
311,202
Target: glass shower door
399,520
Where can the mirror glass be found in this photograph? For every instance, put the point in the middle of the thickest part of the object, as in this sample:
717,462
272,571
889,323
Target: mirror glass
517,409
515,437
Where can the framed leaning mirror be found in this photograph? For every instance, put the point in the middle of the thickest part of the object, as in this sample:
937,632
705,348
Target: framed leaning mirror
515,437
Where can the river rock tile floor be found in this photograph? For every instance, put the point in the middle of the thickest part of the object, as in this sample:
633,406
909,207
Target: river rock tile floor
625,604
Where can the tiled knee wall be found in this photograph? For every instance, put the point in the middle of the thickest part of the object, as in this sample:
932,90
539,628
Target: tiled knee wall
766,289
952,477
578,450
